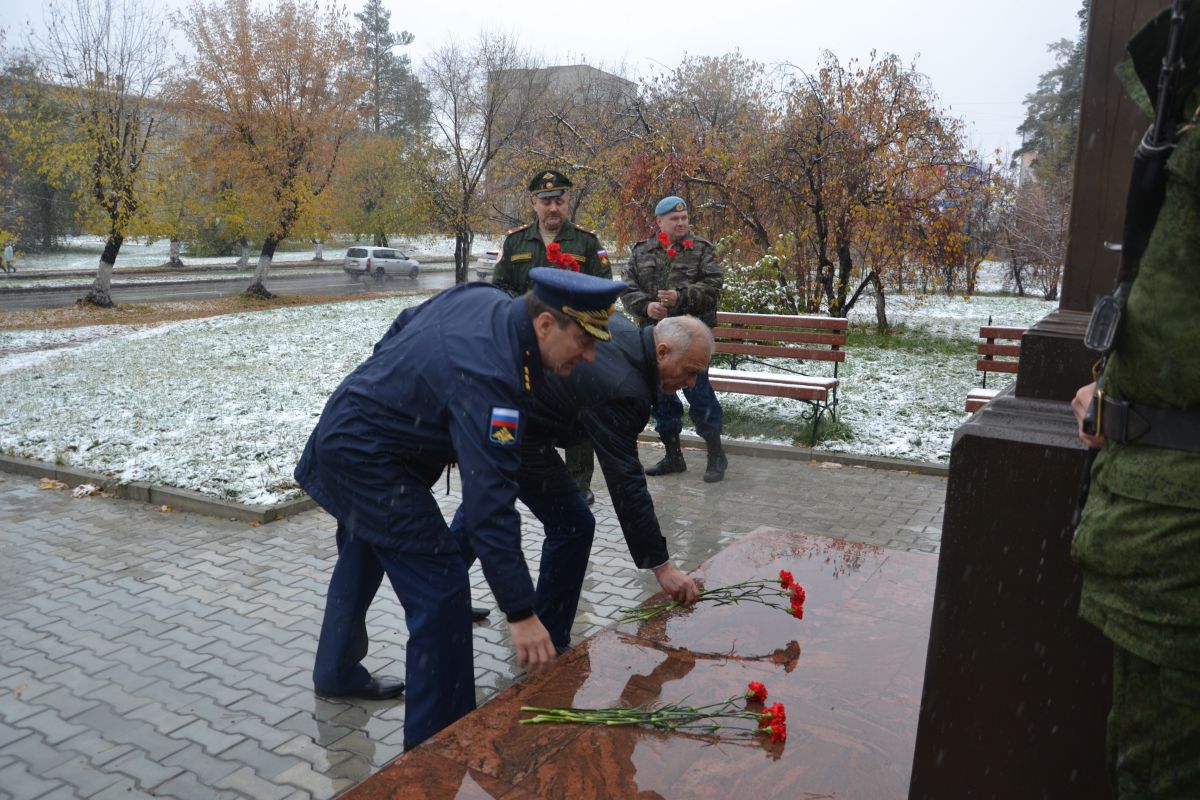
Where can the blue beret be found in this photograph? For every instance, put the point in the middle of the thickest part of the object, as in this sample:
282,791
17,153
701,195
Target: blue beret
669,204
585,298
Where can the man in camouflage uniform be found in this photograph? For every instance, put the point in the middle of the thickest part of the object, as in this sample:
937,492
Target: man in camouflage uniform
670,275
1138,543
526,247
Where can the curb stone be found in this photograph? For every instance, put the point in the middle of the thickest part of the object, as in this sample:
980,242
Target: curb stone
143,492
765,450
198,502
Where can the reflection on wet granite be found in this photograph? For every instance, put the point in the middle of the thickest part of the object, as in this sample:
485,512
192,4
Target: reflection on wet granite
849,673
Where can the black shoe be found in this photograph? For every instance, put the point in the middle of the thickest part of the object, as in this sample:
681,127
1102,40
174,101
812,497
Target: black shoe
588,497
479,614
375,689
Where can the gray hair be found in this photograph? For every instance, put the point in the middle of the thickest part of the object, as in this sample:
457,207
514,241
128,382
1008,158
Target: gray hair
681,333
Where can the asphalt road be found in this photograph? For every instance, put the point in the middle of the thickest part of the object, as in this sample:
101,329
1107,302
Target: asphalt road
335,283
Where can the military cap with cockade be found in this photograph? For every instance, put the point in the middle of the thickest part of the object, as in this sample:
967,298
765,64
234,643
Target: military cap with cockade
584,298
669,204
549,183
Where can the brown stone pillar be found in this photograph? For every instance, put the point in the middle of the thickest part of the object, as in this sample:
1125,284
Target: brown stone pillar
1017,688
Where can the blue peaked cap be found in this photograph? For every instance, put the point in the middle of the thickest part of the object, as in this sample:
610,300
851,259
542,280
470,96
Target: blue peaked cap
585,298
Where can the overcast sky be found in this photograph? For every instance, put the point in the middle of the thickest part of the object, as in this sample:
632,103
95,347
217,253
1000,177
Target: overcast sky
982,57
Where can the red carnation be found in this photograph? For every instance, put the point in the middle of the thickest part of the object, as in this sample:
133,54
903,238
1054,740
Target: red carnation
553,250
776,713
785,579
664,239
672,252
757,692
798,593
688,244
779,731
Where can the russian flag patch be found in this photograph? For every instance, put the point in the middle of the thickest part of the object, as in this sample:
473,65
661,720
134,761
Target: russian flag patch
503,427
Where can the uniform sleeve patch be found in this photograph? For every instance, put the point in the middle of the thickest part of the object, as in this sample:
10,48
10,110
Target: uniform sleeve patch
503,427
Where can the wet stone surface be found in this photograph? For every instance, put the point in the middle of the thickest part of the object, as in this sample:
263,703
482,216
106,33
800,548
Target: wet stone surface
148,653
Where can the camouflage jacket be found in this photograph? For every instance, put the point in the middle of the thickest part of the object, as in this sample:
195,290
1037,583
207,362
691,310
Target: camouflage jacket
524,249
1139,543
695,273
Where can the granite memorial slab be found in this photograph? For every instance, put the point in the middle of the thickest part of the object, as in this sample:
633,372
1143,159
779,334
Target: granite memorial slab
849,674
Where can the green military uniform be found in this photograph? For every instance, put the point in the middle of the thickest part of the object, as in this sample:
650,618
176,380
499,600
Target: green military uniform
524,249
1138,543
695,273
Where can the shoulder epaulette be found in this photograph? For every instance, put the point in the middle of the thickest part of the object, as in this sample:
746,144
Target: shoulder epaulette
585,230
517,229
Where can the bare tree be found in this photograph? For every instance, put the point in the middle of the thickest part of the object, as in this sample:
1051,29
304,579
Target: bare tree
112,57
482,97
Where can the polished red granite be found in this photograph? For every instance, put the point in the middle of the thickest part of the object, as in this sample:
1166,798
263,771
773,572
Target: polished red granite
849,674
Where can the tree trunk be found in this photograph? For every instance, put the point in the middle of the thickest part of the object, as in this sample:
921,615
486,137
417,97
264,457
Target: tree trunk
173,259
319,250
101,291
257,287
462,253
380,239
244,260
881,320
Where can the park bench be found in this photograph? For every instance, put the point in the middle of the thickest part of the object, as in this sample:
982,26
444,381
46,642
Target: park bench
996,353
752,338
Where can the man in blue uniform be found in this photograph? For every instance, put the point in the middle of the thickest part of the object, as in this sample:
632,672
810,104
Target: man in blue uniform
606,402
449,382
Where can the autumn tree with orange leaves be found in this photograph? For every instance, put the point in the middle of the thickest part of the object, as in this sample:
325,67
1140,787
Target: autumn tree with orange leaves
831,184
274,93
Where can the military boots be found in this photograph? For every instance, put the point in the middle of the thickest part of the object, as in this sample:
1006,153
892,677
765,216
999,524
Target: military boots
672,461
717,462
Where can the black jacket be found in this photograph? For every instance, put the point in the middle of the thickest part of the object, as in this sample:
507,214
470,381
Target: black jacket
608,401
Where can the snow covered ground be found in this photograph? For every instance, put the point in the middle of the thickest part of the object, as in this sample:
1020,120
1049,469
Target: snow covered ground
83,253
224,404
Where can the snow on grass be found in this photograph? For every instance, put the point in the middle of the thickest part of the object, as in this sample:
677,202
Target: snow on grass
223,405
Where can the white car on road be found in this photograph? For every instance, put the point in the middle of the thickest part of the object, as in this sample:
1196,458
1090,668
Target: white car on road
379,263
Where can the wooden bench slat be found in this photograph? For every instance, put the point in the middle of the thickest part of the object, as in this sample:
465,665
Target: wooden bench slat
984,365
769,351
770,389
760,335
1000,332
1013,350
782,321
771,377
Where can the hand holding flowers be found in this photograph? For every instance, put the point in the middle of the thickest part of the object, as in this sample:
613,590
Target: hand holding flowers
765,592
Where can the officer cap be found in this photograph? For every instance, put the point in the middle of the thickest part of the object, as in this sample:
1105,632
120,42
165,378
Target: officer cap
584,298
549,183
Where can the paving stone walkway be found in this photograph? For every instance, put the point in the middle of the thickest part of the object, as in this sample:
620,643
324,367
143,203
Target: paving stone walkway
151,653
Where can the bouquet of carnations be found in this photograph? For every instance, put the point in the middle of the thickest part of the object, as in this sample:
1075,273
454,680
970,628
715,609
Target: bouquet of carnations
726,718
767,592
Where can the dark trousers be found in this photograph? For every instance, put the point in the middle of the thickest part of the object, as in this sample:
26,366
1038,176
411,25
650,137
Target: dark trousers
1153,730
435,593
552,495
703,408
581,463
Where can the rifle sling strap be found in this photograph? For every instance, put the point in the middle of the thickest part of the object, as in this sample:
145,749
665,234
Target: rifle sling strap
1133,423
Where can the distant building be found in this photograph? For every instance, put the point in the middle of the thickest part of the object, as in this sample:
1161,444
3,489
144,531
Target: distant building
578,93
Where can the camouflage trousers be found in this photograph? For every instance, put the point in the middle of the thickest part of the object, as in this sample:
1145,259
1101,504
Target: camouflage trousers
1153,730
580,463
